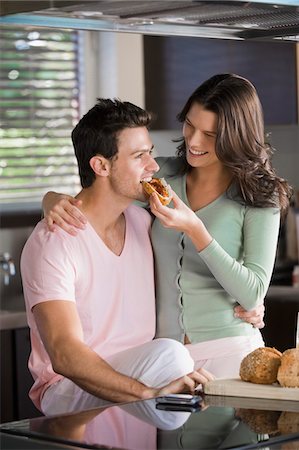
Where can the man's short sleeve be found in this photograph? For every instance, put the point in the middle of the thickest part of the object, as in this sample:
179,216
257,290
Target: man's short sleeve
47,267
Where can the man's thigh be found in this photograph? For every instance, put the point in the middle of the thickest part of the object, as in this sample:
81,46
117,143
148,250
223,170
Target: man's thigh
154,363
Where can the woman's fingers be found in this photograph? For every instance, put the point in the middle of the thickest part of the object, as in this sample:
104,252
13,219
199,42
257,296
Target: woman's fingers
66,215
175,199
68,210
254,316
55,221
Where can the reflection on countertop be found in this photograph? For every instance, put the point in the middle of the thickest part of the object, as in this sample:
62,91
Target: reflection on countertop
142,425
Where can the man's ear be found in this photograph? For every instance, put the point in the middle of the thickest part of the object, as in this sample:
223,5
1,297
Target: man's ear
100,165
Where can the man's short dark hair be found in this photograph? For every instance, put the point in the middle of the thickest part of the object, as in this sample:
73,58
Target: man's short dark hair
97,132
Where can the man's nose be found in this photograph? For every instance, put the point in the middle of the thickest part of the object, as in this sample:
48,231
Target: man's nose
152,164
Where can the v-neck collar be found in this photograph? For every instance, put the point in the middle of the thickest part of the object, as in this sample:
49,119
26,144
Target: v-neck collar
185,197
102,243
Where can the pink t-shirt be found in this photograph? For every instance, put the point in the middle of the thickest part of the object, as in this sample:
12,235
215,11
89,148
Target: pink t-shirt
114,295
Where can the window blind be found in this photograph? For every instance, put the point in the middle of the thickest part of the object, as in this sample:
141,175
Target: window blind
39,95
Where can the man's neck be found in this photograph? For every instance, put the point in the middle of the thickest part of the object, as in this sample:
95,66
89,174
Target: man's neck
106,215
101,208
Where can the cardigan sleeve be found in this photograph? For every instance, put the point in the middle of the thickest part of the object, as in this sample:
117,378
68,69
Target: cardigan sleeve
247,281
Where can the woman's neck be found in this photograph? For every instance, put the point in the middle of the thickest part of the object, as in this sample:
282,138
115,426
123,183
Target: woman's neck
205,186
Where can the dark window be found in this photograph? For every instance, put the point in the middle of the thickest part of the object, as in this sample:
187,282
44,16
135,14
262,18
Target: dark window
175,66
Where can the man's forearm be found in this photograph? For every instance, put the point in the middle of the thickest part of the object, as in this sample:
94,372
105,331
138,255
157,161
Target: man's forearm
94,375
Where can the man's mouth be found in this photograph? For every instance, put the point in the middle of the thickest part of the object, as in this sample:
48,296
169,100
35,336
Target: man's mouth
196,153
147,179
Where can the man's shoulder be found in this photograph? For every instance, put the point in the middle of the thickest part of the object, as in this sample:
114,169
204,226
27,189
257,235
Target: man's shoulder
134,210
139,217
42,238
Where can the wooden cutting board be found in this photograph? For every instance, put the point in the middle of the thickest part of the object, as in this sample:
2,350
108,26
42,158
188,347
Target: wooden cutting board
235,387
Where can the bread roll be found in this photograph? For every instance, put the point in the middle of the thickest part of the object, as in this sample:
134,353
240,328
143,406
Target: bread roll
261,366
260,421
288,422
288,373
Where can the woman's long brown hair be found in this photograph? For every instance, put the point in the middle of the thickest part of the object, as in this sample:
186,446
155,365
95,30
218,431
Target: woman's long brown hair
240,141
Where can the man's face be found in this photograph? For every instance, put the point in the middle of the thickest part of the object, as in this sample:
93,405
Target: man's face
134,163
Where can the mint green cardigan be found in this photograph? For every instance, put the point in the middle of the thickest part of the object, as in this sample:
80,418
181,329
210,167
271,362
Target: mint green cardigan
196,291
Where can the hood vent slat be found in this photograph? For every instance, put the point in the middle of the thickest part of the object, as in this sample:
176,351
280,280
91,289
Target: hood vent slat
208,18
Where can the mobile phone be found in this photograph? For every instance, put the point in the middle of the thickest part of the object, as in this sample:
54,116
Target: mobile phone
176,407
179,399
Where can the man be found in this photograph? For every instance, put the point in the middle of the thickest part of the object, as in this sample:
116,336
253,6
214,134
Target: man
90,301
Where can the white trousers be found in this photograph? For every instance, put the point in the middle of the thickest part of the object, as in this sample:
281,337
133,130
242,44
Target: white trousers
222,357
154,364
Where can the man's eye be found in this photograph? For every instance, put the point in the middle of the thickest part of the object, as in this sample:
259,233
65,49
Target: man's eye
139,155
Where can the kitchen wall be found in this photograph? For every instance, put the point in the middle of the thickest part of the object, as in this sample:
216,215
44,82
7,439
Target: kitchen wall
115,67
12,240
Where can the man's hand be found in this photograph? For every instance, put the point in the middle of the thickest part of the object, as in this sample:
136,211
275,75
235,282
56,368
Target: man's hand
185,384
254,316
62,210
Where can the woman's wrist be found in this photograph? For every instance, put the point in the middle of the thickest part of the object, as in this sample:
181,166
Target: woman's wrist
198,234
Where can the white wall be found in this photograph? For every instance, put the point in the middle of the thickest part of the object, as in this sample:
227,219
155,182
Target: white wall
113,67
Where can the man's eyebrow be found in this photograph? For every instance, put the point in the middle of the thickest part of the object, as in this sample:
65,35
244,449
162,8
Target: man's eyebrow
143,150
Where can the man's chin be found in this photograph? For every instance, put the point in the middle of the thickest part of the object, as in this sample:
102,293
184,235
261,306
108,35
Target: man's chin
142,197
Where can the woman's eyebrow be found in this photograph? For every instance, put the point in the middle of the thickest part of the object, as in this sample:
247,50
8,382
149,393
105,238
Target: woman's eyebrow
206,131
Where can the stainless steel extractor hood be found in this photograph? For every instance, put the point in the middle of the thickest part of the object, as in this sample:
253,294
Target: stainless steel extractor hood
254,20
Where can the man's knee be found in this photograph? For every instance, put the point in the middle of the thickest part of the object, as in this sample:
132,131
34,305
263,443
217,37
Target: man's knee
176,355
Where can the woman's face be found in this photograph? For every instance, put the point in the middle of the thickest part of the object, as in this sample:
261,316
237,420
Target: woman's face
199,131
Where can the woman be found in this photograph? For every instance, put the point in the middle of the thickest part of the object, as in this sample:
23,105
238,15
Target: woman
215,246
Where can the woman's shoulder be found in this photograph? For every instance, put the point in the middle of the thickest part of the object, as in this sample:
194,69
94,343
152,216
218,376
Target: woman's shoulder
170,166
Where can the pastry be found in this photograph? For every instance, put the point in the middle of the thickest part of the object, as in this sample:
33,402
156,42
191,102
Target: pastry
160,187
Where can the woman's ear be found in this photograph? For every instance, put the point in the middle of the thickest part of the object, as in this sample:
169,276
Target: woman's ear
100,165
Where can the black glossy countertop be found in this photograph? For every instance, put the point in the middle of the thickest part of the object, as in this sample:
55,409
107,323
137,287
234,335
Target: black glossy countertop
219,423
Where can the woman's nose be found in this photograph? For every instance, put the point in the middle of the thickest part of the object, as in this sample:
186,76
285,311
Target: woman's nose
195,138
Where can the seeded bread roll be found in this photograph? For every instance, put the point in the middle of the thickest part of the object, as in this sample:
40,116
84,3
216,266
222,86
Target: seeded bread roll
288,372
261,366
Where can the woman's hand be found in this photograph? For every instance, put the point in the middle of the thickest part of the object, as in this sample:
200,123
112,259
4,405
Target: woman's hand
178,217
181,218
254,316
62,210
